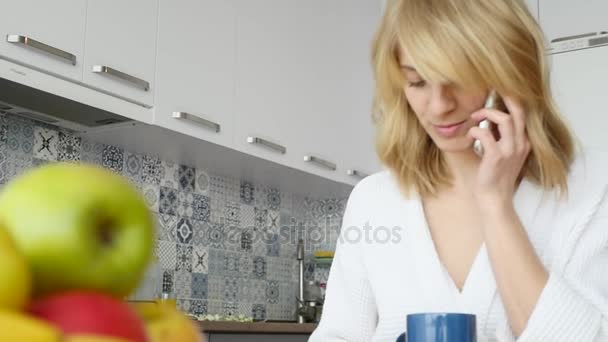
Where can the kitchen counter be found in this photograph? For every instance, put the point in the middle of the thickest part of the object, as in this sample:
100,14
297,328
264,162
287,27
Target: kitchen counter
217,327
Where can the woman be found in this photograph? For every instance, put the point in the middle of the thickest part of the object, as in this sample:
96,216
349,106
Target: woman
518,237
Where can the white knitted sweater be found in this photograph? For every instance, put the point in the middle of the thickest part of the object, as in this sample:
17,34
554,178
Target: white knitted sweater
374,283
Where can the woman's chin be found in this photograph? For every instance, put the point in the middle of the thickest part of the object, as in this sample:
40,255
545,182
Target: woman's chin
457,145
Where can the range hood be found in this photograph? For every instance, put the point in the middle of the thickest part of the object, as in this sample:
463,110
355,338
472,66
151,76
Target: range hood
25,101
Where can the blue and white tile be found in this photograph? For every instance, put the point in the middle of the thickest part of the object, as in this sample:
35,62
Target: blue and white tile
259,267
256,291
215,286
185,200
45,143
261,219
245,265
272,292
247,240
216,236
184,231
199,285
216,262
258,312
273,245
3,165
183,284
133,167
168,201
91,152
186,176
151,194
69,147
201,233
151,170
274,221
245,308
169,174
232,214
113,158
247,216
260,196
273,198
201,207
167,225
230,308
215,306
198,307
230,288
168,281
202,182
247,192
184,258
167,254
200,259
18,163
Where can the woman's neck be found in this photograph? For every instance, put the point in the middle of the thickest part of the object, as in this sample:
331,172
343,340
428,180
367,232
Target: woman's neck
463,168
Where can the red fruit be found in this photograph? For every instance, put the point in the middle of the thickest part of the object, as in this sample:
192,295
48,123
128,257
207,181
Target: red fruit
82,312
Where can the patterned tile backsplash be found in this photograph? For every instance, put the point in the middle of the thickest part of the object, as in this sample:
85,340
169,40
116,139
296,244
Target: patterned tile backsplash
224,246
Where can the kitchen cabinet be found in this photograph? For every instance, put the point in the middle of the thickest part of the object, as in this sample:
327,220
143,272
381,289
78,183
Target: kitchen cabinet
565,18
579,80
120,48
303,81
195,68
44,35
355,132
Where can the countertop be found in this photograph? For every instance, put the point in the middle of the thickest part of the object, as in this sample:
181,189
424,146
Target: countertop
218,327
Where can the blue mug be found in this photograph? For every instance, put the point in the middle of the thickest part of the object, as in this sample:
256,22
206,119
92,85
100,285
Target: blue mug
440,327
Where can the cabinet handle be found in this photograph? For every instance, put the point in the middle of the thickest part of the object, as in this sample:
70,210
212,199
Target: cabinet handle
267,144
138,82
204,122
356,173
577,36
27,41
321,162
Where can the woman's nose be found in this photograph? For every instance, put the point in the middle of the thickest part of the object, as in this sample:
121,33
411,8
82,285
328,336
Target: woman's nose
442,99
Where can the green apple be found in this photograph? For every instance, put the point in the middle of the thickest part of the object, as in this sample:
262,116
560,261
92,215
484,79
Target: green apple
15,283
79,226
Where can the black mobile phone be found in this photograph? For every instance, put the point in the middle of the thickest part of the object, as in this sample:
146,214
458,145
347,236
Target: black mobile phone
493,101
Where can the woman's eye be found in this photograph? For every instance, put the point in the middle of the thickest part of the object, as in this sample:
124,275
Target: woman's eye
418,84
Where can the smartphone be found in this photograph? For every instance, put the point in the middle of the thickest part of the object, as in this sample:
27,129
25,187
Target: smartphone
493,101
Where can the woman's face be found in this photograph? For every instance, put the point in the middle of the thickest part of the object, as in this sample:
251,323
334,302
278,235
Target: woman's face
443,110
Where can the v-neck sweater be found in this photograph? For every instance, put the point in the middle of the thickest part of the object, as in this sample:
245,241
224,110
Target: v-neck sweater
386,265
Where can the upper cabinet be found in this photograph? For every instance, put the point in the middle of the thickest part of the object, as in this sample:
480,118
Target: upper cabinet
579,82
303,83
195,68
566,18
44,35
120,48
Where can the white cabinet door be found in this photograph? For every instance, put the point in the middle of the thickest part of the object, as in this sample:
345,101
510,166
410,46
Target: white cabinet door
579,81
282,59
195,68
354,135
564,18
120,47
303,77
46,35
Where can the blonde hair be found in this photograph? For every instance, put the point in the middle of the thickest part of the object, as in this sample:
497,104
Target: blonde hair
477,45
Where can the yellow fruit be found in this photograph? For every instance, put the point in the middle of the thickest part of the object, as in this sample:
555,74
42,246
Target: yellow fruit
92,338
15,287
15,326
164,323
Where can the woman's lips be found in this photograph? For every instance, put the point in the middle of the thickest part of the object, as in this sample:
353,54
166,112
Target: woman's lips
449,130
